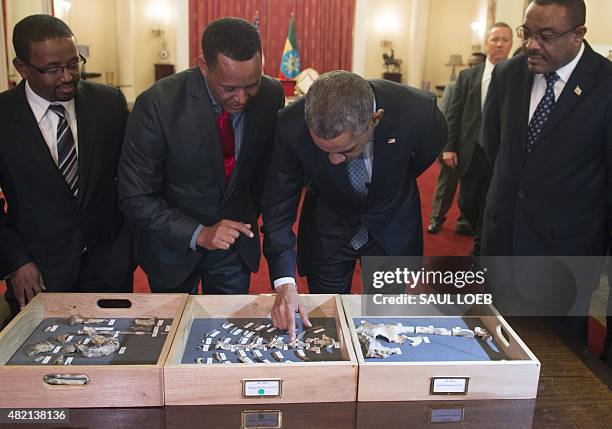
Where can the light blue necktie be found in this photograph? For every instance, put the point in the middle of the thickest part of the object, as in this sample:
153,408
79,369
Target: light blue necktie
358,176
542,112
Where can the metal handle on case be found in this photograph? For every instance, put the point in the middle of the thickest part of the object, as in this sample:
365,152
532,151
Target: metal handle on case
501,335
66,379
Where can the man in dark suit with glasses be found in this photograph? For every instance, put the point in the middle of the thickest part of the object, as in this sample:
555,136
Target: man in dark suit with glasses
61,140
547,130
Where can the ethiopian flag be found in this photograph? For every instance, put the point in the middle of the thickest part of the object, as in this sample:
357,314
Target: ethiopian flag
290,62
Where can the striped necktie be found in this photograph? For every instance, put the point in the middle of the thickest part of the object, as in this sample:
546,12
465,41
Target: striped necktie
67,160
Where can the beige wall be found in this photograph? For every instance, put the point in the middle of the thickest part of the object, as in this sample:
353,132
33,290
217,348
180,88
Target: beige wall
387,20
16,10
93,23
599,22
450,32
147,45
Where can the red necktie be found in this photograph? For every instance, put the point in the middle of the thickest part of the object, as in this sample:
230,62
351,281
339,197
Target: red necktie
226,133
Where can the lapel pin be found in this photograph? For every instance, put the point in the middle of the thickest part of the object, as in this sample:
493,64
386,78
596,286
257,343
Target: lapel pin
391,140
578,90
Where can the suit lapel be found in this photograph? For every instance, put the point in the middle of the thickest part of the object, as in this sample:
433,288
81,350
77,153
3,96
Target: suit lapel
477,81
583,78
206,121
31,137
86,128
384,153
385,146
525,81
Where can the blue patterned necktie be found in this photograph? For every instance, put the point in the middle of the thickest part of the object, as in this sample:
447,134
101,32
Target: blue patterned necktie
542,112
67,160
358,177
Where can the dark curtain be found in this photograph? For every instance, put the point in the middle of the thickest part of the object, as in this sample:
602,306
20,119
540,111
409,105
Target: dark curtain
324,29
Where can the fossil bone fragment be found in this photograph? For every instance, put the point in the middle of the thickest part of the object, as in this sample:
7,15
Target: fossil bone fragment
99,346
58,360
367,333
61,339
146,322
42,347
77,319
68,348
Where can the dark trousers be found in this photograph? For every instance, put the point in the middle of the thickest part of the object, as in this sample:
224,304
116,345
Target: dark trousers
444,193
89,281
221,272
336,273
473,193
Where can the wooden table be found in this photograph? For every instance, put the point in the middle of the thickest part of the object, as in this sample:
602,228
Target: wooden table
569,396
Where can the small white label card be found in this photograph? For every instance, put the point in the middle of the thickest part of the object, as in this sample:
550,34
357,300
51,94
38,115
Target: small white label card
449,385
262,388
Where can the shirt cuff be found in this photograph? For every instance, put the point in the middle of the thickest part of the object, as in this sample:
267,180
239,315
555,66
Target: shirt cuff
284,280
193,244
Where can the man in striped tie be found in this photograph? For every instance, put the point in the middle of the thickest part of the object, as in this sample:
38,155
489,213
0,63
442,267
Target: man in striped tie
60,142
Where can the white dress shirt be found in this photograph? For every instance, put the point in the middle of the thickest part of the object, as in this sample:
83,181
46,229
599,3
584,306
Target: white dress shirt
539,83
47,120
486,80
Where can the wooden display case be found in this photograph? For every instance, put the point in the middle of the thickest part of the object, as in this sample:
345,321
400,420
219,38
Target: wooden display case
214,384
513,378
108,385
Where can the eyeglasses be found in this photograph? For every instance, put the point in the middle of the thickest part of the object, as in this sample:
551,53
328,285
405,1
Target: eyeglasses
73,68
524,33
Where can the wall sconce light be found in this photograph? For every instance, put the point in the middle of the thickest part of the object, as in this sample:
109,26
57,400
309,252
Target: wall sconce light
478,30
387,26
158,14
454,60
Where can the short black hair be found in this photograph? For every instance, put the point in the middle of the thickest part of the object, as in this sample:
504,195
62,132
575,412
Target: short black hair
576,9
235,38
37,28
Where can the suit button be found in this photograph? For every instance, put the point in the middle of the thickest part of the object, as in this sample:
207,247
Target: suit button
521,194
